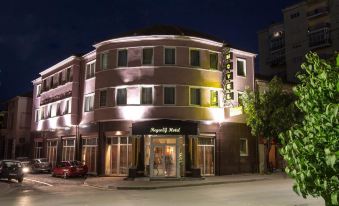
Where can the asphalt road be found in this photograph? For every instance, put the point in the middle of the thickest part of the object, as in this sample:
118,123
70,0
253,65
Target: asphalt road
47,191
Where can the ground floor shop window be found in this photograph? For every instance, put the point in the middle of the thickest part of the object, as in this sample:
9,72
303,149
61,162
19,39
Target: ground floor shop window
205,155
52,151
68,149
118,155
89,153
38,146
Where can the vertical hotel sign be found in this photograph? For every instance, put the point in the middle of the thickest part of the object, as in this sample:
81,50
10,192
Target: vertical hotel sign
227,75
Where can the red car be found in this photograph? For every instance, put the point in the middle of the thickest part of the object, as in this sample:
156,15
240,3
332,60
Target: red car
67,169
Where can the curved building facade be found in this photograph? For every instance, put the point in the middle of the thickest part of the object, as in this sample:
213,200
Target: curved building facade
159,102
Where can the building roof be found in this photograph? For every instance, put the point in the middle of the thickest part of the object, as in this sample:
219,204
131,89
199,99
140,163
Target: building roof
168,30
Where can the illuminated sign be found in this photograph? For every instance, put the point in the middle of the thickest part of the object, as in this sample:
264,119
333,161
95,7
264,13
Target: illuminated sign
229,96
229,76
227,81
229,86
165,130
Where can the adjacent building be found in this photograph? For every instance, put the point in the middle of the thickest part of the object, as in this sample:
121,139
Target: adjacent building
15,127
158,102
310,25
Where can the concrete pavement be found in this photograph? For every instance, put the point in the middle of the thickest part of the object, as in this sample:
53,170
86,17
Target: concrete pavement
147,184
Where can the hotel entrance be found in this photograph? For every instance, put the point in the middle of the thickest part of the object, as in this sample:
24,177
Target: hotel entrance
164,156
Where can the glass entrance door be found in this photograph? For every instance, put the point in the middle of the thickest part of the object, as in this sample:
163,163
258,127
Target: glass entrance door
165,161
205,158
118,156
89,153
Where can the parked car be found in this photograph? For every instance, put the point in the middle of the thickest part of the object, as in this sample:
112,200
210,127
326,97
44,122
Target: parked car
67,169
11,169
26,164
40,165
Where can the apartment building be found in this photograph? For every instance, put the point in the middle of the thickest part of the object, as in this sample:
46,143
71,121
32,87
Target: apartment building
15,125
159,102
310,25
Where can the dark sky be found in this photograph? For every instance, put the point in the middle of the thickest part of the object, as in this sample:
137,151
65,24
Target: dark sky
37,34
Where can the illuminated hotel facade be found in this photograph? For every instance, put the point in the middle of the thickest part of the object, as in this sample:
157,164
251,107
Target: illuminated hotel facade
158,102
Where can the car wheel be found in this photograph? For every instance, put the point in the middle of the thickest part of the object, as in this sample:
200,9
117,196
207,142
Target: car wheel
20,179
65,176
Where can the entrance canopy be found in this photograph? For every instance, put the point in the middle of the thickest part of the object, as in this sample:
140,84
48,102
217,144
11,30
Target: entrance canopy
165,127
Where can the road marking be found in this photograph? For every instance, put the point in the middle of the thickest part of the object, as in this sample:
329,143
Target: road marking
44,183
96,187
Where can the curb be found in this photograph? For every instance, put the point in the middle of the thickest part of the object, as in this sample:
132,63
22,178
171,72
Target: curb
172,186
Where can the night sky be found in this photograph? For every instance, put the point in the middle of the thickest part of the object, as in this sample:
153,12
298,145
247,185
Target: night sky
34,34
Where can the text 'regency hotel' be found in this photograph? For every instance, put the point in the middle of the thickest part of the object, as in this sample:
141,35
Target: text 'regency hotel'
159,102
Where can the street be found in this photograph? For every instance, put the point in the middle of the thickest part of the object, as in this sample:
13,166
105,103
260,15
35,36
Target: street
44,190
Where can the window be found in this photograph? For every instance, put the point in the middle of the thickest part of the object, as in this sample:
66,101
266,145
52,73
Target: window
53,111
195,96
240,98
89,103
214,61
103,61
68,149
90,70
67,109
103,95
214,99
60,78
243,147
43,113
169,55
241,67
122,58
169,95
49,110
195,57
122,96
38,149
69,74
295,15
38,90
37,115
147,56
146,95
58,109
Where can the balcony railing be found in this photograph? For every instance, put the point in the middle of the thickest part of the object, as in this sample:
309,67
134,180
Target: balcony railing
317,12
319,37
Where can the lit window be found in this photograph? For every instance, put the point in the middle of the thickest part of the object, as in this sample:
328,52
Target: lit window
122,96
214,61
122,58
169,55
243,147
195,96
241,67
214,98
103,95
90,70
89,103
146,95
103,61
169,95
195,57
147,56
38,90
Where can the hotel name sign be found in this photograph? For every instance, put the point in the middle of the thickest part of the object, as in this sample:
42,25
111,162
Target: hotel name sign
165,130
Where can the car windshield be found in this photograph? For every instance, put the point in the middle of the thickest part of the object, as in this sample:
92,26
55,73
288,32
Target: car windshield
12,164
76,163
42,160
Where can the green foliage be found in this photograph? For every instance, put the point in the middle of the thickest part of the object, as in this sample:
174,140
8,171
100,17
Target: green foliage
311,147
271,112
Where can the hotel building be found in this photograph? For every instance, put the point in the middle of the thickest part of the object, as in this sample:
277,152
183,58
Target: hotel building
159,102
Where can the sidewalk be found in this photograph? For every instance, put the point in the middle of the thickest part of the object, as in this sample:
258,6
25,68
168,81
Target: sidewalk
145,183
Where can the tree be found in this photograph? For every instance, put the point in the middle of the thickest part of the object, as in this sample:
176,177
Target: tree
269,113
311,147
